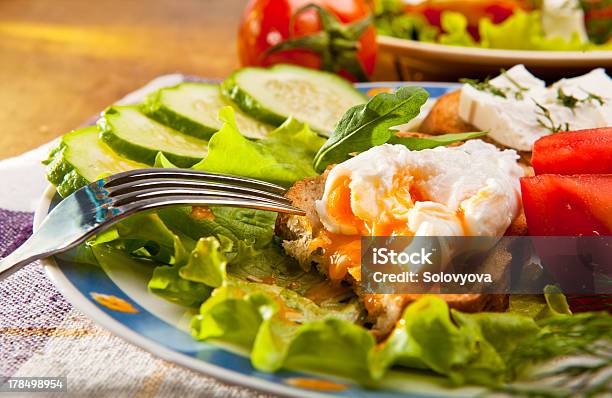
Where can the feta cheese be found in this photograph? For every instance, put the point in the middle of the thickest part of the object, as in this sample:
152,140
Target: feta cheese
518,117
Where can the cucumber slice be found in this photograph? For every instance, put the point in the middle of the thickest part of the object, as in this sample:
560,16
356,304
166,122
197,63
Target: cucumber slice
81,158
272,95
193,108
132,134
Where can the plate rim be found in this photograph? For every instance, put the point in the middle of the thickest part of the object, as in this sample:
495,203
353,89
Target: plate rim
390,42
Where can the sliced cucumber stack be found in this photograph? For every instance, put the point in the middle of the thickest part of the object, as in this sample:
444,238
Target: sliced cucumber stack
132,134
272,95
81,158
193,108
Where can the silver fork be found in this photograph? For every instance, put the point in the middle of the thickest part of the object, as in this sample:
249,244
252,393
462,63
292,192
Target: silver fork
99,205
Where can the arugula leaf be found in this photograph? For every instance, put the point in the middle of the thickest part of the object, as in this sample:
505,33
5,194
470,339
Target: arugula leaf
420,143
367,125
283,157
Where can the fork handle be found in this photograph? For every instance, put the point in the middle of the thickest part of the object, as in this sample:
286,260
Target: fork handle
22,256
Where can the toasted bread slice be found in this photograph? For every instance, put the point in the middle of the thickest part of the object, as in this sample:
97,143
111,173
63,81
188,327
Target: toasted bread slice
300,233
443,118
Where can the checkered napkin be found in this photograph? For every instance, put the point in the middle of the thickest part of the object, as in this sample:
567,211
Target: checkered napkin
42,335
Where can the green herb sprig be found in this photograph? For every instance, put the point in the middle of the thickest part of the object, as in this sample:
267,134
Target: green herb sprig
503,92
570,101
587,336
486,86
547,121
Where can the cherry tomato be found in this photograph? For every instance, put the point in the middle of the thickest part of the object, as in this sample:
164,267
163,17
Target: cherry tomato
269,23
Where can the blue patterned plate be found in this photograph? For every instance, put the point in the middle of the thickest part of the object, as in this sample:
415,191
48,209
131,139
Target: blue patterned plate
117,298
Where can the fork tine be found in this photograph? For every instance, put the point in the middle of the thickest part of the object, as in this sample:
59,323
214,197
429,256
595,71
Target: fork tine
160,183
140,174
175,200
151,193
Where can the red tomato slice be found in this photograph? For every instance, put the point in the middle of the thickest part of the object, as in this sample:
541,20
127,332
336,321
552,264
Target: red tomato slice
578,205
574,152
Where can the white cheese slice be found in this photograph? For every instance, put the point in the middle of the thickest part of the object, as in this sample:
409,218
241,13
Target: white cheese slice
518,75
517,121
563,18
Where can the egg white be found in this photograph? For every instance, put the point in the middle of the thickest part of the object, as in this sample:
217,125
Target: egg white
467,190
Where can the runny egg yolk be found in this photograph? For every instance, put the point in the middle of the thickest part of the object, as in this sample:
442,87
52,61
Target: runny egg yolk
344,251
339,204
389,222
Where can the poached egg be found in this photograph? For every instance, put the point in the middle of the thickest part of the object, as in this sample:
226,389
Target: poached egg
467,190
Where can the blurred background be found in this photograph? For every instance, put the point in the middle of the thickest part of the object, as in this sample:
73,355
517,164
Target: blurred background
63,61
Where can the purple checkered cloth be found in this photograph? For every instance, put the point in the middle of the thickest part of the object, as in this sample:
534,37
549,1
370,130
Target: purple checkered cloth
42,335
31,306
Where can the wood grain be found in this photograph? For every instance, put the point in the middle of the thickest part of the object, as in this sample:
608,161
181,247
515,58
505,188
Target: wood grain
63,61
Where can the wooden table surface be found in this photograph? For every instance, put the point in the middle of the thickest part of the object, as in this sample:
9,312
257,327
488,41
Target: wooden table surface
63,61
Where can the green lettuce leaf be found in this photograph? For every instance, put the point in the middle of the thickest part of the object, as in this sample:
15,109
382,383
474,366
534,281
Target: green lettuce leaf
455,27
283,157
232,316
331,345
207,262
467,348
234,223
145,235
286,330
539,307
391,20
167,283
515,33
523,31
272,266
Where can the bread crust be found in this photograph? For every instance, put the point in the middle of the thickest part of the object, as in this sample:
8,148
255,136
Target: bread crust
443,118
